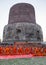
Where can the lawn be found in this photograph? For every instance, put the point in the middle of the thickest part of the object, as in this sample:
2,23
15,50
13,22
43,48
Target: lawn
31,61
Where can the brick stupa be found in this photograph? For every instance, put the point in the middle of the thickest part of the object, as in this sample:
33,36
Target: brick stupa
22,25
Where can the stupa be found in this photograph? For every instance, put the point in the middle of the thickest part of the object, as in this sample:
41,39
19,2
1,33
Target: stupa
22,35
22,24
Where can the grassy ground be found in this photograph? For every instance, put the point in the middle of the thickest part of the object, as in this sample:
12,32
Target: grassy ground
31,61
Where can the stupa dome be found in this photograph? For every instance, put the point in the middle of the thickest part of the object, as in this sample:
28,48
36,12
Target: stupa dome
22,12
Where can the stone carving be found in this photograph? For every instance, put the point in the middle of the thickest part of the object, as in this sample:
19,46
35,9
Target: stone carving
23,31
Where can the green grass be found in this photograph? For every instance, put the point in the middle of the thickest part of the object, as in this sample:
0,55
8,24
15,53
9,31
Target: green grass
31,61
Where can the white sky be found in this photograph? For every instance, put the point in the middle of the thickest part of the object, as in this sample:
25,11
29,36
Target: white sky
40,11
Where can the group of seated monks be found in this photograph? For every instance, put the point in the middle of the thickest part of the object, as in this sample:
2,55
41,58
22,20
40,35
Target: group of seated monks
13,50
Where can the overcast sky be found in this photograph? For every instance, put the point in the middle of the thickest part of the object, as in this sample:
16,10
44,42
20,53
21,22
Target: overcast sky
40,13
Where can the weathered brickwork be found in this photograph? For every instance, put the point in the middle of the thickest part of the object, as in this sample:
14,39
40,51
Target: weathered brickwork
22,13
